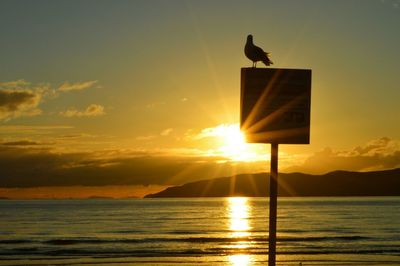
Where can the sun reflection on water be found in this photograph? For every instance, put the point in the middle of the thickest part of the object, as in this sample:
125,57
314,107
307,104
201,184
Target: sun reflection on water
238,209
239,260
239,214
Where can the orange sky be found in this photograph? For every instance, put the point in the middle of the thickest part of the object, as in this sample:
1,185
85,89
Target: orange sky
133,93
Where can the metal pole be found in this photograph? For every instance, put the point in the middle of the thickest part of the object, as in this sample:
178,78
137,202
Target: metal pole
273,196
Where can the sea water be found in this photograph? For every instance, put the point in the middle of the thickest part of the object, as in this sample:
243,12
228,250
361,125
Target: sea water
206,231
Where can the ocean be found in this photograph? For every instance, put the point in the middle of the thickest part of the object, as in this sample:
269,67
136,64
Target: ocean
205,231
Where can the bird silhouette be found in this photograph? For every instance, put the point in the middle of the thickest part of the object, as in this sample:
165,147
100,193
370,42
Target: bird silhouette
255,53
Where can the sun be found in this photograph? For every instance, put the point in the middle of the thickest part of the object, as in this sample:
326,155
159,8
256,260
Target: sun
233,144
226,140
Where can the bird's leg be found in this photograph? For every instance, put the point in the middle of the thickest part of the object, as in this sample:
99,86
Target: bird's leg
255,64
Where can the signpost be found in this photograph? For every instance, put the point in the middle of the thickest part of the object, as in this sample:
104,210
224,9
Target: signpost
275,108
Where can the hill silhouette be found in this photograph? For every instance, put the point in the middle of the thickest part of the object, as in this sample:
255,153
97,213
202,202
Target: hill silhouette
337,183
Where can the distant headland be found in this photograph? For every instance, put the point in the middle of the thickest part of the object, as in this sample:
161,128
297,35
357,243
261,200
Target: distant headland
337,183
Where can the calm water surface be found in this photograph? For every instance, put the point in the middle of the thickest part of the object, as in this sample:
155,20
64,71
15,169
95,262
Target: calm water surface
209,231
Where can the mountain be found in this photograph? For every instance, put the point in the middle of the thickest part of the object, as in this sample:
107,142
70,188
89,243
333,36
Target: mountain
337,183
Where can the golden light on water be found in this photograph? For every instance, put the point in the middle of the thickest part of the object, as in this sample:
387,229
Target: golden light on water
239,214
238,208
240,260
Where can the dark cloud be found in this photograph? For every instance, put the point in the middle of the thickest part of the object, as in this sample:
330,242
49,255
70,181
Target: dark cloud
23,167
383,153
15,103
21,98
20,143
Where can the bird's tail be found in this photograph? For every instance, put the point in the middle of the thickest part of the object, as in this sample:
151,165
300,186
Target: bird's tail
266,60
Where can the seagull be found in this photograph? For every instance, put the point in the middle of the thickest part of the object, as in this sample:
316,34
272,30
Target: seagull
255,53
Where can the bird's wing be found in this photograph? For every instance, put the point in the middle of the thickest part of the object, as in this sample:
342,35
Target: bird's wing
258,50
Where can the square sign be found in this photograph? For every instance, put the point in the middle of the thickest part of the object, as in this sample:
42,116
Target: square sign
275,105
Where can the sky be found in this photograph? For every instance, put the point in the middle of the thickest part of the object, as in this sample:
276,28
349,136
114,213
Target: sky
139,95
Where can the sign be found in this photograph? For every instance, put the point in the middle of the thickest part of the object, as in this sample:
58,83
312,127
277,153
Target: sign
275,105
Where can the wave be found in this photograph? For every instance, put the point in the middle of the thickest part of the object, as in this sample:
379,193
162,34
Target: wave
74,241
145,252
169,246
15,241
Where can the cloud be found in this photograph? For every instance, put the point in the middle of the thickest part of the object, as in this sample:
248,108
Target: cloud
20,143
166,132
19,98
32,129
14,84
163,133
91,110
24,165
217,131
40,168
378,154
77,86
148,137
383,146
19,102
